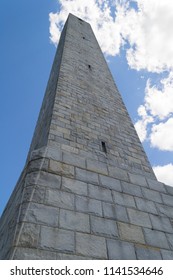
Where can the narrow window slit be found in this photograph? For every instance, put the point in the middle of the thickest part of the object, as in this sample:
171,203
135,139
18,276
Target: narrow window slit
104,147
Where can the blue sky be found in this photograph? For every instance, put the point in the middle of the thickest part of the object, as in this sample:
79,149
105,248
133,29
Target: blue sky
29,33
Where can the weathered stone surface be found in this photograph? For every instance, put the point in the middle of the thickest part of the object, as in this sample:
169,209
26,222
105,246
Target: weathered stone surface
57,239
152,195
96,166
161,223
167,255
124,199
42,214
167,199
88,205
139,218
74,160
110,183
102,226
86,176
74,186
146,205
99,193
156,238
60,199
118,173
131,189
138,180
91,246
74,221
33,254
148,253
120,250
49,180
131,233
29,235
61,168
155,185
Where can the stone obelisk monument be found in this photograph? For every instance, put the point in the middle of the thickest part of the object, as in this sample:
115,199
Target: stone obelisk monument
87,190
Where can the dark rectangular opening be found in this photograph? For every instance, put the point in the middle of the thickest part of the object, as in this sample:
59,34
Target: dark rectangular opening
104,147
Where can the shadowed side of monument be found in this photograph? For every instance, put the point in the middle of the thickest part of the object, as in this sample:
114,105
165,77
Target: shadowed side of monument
87,190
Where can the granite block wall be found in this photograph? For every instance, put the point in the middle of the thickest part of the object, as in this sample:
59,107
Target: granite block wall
87,190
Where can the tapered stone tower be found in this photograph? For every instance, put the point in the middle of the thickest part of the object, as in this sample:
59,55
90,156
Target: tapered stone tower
87,190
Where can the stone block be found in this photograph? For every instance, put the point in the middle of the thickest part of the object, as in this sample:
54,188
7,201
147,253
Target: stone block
42,214
155,185
148,253
61,168
99,193
152,195
161,223
131,233
110,183
88,205
105,227
38,164
118,173
124,199
29,235
170,240
60,199
54,239
155,238
91,246
74,221
87,176
138,180
139,218
146,205
33,254
55,154
120,250
96,166
167,199
121,213
167,255
131,189
165,210
49,180
108,210
74,160
74,186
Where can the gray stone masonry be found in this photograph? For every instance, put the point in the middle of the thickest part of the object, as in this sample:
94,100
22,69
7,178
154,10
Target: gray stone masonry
87,190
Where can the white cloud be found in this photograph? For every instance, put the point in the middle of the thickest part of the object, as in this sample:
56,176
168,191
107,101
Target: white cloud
159,101
161,136
164,173
149,32
98,14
